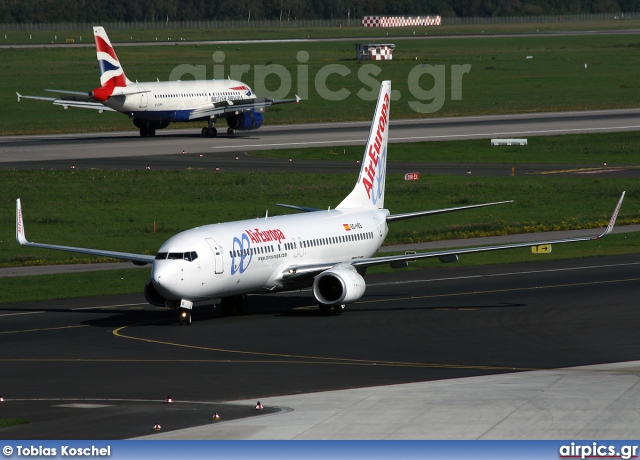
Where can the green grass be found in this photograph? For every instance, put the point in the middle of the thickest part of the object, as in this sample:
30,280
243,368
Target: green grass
7,422
501,80
72,285
285,32
575,149
116,210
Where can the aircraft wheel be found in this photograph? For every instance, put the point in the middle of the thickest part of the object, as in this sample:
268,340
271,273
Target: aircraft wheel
143,132
205,132
338,309
231,131
324,309
151,132
184,319
242,305
213,132
226,303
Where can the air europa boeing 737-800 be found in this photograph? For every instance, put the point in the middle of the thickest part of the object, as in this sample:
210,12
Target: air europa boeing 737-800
328,250
153,105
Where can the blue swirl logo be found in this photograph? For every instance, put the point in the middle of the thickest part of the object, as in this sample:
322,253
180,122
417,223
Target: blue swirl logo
241,254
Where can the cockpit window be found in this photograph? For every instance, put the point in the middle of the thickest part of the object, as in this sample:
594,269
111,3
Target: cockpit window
189,256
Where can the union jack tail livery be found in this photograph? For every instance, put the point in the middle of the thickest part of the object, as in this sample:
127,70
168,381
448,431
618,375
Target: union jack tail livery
369,190
111,73
153,105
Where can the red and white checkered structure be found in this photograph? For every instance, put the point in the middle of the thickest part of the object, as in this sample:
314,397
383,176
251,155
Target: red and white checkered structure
375,51
400,21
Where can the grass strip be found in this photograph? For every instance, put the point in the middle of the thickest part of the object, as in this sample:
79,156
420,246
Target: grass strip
500,78
586,150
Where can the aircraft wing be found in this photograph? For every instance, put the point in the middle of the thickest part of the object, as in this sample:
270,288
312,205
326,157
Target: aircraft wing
299,272
138,259
74,99
220,109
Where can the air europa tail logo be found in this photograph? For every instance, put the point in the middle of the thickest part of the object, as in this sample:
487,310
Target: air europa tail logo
264,236
372,168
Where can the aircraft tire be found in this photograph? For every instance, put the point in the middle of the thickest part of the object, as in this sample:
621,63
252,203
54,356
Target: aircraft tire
143,132
231,131
204,132
227,306
242,305
338,309
324,309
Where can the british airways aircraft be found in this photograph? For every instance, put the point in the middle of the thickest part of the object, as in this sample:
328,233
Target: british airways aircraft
153,105
328,250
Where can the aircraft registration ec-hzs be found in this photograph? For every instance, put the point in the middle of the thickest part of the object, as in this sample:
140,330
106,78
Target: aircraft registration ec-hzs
154,105
328,250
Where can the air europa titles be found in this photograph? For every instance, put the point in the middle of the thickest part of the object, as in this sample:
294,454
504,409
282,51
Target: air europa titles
374,150
264,236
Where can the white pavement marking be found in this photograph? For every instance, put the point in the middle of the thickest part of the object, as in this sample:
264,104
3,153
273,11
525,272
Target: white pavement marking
25,313
528,272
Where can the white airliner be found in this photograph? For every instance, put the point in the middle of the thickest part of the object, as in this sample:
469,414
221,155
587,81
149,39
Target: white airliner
327,249
153,105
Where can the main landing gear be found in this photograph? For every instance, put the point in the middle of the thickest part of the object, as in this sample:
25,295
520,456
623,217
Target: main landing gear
237,303
209,132
231,131
147,132
326,309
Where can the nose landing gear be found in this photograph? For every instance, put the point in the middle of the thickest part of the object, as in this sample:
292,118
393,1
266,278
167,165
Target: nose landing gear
184,318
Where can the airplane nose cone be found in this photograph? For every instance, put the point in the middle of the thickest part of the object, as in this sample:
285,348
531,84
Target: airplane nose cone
164,278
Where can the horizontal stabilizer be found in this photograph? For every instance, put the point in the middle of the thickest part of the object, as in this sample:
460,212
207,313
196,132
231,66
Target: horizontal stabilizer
298,208
410,215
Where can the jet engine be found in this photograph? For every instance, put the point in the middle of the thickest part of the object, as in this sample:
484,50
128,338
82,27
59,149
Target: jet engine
244,121
339,285
152,296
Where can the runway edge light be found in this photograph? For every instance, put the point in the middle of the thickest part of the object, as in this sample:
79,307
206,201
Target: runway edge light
259,406
157,427
168,400
216,416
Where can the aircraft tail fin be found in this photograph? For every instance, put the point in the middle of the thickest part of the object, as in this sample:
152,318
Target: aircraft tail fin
111,73
369,190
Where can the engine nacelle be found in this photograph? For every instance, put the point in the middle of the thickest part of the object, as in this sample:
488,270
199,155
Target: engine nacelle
338,285
152,296
244,121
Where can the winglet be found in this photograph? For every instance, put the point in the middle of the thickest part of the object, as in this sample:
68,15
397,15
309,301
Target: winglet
298,99
612,221
19,96
20,236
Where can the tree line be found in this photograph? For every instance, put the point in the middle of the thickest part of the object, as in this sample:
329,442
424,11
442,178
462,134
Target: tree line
57,11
